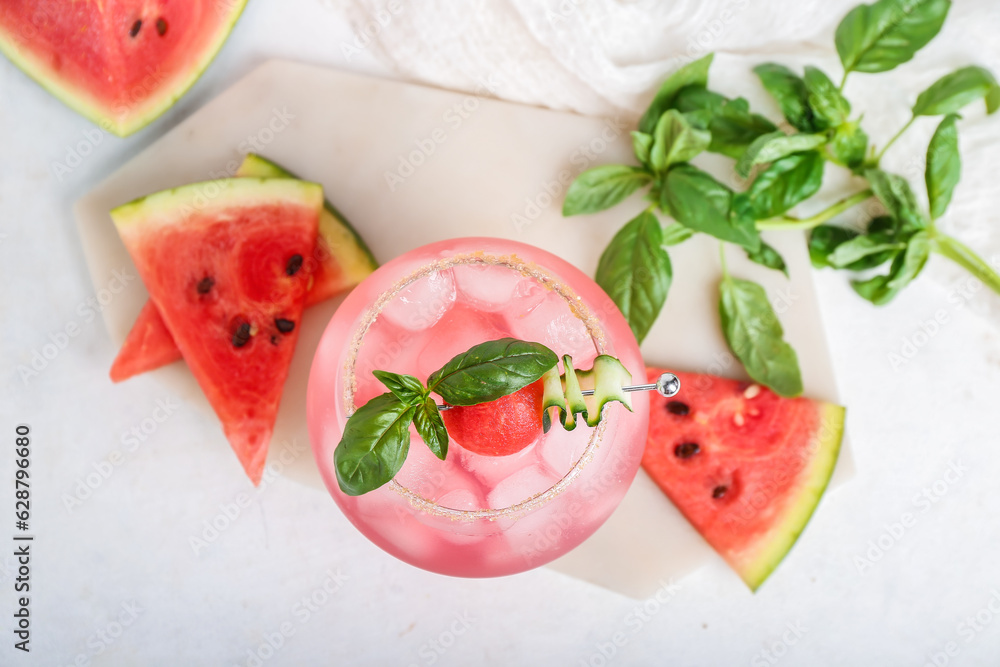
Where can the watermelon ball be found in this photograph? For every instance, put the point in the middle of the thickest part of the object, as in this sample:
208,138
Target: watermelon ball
498,428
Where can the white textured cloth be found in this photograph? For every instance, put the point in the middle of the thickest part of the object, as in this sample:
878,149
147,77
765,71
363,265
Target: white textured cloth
603,57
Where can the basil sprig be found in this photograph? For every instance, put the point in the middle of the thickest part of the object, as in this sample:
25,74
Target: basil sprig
785,167
376,437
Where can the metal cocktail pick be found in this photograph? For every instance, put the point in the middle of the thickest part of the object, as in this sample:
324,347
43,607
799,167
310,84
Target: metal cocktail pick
666,385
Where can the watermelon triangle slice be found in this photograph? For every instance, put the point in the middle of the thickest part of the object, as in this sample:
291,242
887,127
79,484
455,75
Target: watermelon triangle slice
147,346
120,63
745,466
224,263
342,260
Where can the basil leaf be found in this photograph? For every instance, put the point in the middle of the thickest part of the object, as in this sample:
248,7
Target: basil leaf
823,240
953,91
698,201
874,289
675,234
602,187
785,183
734,128
918,249
698,98
944,166
895,194
878,37
880,290
635,271
830,108
491,370
406,388
700,118
769,257
755,336
730,122
675,141
883,224
849,253
789,91
776,145
642,143
744,223
694,73
654,195
430,427
826,240
375,443
849,145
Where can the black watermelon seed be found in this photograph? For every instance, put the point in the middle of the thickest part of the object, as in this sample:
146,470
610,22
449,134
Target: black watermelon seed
136,27
242,335
686,450
274,340
205,285
161,27
284,326
679,408
719,491
294,264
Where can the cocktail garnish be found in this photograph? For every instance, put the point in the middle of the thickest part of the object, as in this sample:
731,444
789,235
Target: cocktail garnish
376,438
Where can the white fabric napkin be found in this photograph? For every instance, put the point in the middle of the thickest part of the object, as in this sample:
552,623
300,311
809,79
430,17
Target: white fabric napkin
606,57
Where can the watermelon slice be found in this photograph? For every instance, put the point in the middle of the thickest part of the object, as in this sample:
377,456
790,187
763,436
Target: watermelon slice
744,465
120,63
147,346
224,263
342,260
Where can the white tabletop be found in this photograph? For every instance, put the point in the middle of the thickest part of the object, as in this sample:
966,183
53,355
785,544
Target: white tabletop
898,568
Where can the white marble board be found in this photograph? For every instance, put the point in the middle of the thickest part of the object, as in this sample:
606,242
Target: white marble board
463,165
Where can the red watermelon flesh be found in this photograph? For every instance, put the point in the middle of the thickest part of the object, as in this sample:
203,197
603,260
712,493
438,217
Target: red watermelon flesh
341,260
120,63
148,345
501,427
745,466
223,262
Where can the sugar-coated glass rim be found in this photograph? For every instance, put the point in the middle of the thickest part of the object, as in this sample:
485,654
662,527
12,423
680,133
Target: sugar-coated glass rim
530,270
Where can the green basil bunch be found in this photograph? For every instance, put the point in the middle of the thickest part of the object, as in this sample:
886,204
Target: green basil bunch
376,438
686,119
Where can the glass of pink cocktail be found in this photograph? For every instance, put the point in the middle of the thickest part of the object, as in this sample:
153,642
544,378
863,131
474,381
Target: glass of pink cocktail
474,515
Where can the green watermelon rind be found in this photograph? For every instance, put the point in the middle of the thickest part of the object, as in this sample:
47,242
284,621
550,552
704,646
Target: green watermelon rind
178,204
354,267
785,532
78,100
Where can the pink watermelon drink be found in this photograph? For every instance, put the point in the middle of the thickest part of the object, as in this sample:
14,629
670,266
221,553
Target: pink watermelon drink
472,514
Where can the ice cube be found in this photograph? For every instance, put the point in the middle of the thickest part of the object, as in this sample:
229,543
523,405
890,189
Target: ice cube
422,303
384,347
491,470
461,328
462,499
447,485
425,474
559,449
486,287
518,487
552,323
526,297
